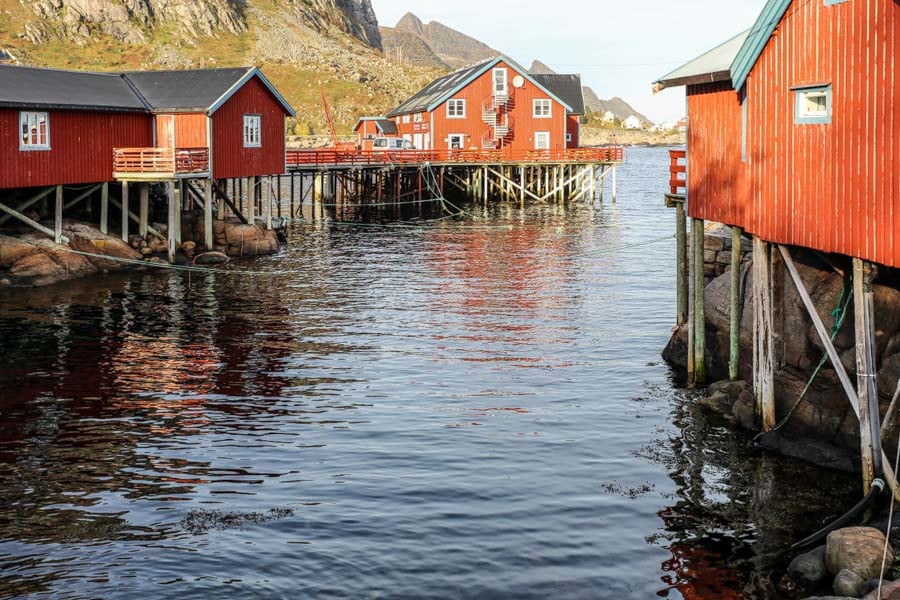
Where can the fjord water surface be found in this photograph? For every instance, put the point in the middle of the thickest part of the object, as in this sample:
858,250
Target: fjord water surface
467,409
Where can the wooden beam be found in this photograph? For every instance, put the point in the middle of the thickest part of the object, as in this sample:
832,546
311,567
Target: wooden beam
699,235
29,203
135,219
763,338
866,384
681,253
31,222
208,215
224,197
104,209
515,185
173,215
81,197
144,210
125,211
58,215
734,355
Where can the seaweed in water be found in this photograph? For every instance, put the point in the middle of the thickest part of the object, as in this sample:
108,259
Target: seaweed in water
202,521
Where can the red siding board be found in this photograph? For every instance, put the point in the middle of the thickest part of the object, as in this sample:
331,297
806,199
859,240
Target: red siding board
230,158
831,187
81,144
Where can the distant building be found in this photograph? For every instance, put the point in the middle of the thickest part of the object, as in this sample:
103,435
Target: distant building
368,129
682,125
495,105
609,117
633,122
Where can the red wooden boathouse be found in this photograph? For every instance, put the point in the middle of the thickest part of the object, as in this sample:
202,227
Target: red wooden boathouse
794,137
494,105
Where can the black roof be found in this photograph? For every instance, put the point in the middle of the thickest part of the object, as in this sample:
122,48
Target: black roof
387,127
187,91
27,87
565,87
436,90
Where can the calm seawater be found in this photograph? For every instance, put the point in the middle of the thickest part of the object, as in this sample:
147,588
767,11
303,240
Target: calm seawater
473,409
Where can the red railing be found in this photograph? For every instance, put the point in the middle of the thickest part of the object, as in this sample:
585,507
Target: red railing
160,161
677,172
296,158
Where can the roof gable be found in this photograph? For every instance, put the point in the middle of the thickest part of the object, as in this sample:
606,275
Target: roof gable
198,90
29,87
385,126
757,40
443,88
710,67
567,87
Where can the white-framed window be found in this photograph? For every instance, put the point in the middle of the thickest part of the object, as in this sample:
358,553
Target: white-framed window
543,109
813,105
501,82
252,131
419,118
34,129
406,118
456,109
568,137
542,140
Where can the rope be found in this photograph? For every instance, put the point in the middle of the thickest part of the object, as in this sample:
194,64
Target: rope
887,535
839,315
172,267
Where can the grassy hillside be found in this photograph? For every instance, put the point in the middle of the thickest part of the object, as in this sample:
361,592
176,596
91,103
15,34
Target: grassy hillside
357,79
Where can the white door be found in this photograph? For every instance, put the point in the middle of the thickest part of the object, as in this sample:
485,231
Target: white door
501,83
417,141
455,141
542,140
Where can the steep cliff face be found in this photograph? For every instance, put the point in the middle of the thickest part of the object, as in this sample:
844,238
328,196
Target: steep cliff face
131,21
452,47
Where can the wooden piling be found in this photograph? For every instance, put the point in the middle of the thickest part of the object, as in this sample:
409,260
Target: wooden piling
171,189
866,383
734,358
763,337
698,232
104,208
125,211
58,216
208,238
144,209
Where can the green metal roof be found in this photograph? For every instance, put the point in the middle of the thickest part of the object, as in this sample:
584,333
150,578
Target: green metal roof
756,42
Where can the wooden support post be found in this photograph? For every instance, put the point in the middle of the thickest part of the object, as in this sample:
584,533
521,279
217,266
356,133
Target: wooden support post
104,209
734,359
144,210
763,333
30,222
699,234
125,211
278,194
173,214
293,195
614,188
866,383
39,197
486,182
179,200
603,172
208,240
267,198
251,201
593,185
522,186
58,215
681,263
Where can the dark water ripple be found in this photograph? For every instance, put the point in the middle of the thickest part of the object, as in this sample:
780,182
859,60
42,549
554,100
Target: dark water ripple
440,412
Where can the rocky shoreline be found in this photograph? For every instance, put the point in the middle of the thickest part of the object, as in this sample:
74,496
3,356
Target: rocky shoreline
31,259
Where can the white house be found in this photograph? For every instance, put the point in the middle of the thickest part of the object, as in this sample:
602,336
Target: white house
633,122
609,117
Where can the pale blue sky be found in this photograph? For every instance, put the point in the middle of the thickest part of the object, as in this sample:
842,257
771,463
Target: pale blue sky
618,47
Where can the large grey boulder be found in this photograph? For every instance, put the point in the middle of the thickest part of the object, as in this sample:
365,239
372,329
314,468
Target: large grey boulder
809,569
848,583
856,549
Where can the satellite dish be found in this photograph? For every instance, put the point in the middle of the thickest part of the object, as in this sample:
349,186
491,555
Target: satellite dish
518,81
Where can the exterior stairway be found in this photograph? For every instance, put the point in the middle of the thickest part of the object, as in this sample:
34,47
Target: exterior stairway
496,115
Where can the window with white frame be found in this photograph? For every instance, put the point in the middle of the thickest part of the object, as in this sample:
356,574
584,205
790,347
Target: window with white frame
568,137
542,109
456,109
542,140
813,105
252,131
35,130
406,118
419,118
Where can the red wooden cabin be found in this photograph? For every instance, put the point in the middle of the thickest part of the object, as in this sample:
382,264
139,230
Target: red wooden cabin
794,136
494,105
60,127
216,123
368,129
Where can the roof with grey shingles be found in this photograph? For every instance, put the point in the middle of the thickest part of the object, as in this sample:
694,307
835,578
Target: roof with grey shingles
198,90
566,87
437,89
709,67
28,87
186,91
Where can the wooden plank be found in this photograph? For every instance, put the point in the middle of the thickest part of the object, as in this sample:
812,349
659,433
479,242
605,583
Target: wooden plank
763,342
699,234
208,215
734,356
125,211
135,219
173,215
224,197
869,427
104,209
58,215
681,252
29,203
17,215
144,210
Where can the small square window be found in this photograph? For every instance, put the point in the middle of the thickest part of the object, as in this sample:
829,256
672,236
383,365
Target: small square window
252,131
406,118
35,131
568,137
456,109
813,105
542,140
542,109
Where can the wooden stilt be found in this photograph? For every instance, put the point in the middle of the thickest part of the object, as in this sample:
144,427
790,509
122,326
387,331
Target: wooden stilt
144,210
31,222
40,196
251,201
763,335
179,199
173,208
614,187
267,198
734,360
698,231
867,391
125,211
208,239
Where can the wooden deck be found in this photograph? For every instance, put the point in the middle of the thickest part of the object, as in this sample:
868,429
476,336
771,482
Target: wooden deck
325,159
160,164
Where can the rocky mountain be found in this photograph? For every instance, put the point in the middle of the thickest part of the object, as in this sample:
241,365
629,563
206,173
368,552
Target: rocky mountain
409,49
617,106
298,44
453,48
